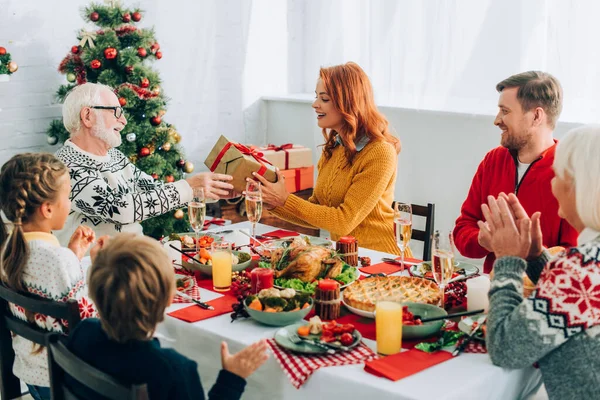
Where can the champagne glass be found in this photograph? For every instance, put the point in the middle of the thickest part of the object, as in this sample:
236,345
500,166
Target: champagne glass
253,204
442,263
197,213
403,226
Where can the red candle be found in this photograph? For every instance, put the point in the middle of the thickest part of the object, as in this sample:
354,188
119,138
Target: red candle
347,239
328,284
261,278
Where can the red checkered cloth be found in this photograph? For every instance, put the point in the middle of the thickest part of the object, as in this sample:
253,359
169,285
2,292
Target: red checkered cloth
299,367
194,292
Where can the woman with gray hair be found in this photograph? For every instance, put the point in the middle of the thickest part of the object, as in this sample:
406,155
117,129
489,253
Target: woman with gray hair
558,326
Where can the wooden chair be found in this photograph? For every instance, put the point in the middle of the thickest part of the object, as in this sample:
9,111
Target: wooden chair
428,212
63,362
10,385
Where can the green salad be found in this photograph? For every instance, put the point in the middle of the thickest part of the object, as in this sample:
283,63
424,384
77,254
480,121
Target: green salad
349,274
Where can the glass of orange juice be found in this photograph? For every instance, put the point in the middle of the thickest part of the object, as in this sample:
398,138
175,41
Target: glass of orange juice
388,327
221,265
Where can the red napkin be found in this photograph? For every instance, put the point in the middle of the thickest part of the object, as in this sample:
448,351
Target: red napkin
195,313
215,221
406,363
281,233
381,268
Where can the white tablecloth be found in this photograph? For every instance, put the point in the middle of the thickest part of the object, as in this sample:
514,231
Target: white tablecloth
468,376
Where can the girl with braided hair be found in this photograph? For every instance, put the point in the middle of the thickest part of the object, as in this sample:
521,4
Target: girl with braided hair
34,196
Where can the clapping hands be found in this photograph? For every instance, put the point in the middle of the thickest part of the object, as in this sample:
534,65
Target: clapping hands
81,240
248,360
508,230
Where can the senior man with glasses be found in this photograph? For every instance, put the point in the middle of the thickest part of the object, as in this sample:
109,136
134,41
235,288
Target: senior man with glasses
109,193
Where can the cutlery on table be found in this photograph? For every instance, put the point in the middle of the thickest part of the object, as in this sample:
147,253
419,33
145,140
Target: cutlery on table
201,304
398,262
458,314
294,338
468,339
182,252
222,232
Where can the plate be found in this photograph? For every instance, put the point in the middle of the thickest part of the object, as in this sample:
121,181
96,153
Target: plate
217,238
314,241
470,270
189,281
282,339
362,313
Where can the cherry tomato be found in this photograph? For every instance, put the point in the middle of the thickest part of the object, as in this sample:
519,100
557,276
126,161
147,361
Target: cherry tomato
346,339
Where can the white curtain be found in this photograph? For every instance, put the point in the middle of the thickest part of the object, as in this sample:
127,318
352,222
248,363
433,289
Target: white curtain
449,54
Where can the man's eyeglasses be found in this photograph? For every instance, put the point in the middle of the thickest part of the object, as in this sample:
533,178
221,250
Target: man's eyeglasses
117,110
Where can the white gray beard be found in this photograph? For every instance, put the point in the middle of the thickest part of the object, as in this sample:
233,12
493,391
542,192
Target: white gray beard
107,136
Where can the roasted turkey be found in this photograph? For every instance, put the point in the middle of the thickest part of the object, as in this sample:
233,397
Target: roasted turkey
304,262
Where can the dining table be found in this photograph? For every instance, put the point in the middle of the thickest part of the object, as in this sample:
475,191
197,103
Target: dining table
467,376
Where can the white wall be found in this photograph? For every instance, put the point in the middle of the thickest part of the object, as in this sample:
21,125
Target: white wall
440,151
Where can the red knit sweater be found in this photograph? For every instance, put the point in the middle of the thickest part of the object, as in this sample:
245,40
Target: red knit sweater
498,173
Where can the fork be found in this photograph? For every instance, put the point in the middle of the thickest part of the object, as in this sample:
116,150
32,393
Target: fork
294,338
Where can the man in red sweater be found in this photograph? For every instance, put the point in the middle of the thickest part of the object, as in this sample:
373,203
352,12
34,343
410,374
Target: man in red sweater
529,106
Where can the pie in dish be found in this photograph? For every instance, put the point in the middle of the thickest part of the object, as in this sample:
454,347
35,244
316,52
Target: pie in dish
365,293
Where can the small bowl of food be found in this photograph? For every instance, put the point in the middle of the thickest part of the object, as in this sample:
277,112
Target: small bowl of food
240,260
413,328
276,307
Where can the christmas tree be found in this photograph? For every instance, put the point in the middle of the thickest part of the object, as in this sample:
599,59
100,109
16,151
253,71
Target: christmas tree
118,55
7,66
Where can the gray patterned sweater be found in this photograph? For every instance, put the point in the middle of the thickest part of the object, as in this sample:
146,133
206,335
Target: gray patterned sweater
558,326
111,195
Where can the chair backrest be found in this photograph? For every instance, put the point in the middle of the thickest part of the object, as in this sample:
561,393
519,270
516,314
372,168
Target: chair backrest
424,236
63,362
10,386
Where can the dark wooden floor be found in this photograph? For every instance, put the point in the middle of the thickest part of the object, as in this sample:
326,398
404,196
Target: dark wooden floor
232,212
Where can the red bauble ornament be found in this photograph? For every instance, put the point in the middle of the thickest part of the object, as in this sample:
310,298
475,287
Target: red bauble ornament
155,120
181,163
95,64
2,51
159,55
155,175
170,178
136,16
94,16
122,101
144,152
144,82
110,53
129,70
75,49
154,48
142,52
126,17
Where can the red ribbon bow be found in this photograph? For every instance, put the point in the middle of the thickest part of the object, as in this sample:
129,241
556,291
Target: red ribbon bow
283,147
257,155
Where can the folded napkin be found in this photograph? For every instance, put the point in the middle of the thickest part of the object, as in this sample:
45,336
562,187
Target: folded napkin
299,368
281,233
214,221
406,363
195,313
389,268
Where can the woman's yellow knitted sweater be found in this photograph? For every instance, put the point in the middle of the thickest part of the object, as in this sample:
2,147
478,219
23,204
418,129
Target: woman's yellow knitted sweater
352,199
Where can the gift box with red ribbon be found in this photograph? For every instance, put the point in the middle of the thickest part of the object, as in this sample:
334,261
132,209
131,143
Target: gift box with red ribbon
288,156
231,158
298,179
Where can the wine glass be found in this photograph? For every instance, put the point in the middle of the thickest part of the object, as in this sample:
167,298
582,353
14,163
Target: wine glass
253,204
442,262
197,212
403,226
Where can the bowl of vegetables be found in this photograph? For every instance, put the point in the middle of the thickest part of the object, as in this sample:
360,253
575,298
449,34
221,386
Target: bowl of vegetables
240,261
276,307
413,328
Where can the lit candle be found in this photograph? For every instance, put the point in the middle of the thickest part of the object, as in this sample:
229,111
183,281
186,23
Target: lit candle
477,293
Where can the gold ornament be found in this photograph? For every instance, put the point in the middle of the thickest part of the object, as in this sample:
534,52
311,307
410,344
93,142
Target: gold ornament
152,148
156,91
12,67
178,214
176,138
133,159
188,167
166,146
